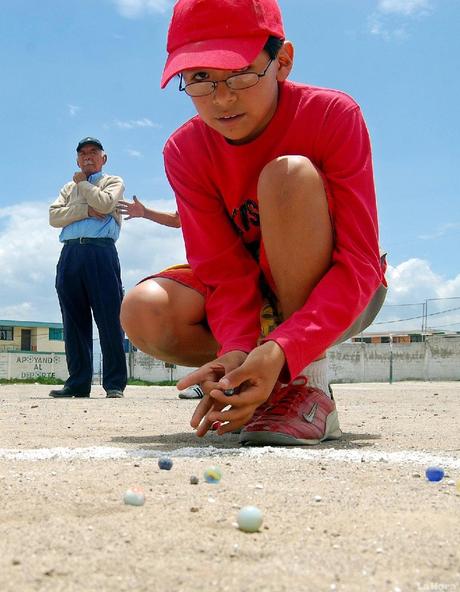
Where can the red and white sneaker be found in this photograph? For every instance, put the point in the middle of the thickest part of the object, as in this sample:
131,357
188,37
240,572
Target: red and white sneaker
297,415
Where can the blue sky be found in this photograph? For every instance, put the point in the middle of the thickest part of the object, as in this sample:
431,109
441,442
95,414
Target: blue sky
92,67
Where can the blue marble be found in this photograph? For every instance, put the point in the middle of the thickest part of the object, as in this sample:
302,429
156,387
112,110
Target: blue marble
434,473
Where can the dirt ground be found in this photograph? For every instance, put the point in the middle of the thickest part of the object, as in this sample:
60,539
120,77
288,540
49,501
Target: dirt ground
353,515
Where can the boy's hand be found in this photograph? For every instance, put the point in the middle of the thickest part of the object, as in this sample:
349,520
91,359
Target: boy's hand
254,380
133,210
208,376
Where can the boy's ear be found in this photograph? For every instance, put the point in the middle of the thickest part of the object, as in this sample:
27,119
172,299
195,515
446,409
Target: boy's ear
285,59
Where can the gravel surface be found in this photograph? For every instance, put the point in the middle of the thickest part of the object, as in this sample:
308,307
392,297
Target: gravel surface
352,515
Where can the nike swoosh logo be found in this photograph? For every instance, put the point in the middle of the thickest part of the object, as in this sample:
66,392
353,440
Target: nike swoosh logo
310,417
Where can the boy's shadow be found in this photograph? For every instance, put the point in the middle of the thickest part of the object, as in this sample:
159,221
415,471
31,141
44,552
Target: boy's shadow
168,442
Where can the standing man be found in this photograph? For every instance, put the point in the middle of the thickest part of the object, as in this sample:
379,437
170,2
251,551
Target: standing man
88,273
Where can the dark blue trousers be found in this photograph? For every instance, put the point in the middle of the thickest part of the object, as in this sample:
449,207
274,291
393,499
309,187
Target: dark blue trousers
88,279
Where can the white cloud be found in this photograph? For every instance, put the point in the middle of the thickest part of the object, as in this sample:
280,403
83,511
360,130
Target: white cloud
441,231
392,18
28,255
415,281
134,153
137,8
133,123
73,110
412,281
413,285
29,251
405,7
21,311
146,247
378,27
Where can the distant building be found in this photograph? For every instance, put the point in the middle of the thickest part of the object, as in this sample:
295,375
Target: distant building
400,336
31,336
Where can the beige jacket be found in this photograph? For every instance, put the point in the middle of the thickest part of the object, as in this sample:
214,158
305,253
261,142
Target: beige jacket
74,199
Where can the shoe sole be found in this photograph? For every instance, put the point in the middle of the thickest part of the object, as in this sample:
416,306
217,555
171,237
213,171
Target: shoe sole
69,396
333,432
181,396
114,396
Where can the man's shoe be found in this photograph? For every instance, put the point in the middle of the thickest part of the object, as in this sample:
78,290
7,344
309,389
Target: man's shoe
114,394
297,415
67,393
193,392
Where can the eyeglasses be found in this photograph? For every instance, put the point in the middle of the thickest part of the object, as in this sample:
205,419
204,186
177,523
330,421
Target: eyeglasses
235,82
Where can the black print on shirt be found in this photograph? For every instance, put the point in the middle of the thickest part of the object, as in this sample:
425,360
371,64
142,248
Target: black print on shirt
245,216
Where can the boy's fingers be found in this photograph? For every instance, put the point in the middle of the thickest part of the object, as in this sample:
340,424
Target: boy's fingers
197,377
201,420
236,422
200,411
201,376
230,427
203,428
188,380
233,414
226,399
234,378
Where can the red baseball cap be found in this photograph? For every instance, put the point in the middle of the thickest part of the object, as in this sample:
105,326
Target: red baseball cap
223,34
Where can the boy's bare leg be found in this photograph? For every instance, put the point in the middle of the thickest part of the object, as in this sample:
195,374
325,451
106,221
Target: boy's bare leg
296,228
297,235
165,319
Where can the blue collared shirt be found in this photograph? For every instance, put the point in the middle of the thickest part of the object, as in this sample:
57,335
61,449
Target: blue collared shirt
91,227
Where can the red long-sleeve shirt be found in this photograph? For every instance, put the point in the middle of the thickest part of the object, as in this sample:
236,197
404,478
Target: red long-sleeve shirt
216,190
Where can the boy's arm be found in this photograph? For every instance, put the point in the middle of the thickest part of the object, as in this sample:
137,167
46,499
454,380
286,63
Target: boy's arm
219,258
356,271
136,209
67,208
170,219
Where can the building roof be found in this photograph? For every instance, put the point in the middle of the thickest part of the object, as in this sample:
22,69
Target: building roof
413,332
30,324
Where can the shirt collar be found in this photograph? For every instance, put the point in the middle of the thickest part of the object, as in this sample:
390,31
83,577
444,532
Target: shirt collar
94,178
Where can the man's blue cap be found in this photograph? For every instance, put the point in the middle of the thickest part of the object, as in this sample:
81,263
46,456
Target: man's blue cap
89,140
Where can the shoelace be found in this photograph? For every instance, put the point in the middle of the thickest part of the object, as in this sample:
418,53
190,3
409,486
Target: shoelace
286,397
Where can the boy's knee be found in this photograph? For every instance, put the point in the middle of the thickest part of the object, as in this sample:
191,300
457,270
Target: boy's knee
140,307
149,319
129,312
287,172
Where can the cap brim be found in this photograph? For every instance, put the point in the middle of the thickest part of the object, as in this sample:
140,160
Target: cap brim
97,144
222,54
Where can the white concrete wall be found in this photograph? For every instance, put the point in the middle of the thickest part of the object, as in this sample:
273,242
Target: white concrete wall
144,367
53,365
436,359
32,365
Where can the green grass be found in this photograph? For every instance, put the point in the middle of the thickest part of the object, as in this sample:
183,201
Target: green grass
49,380
36,380
137,382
